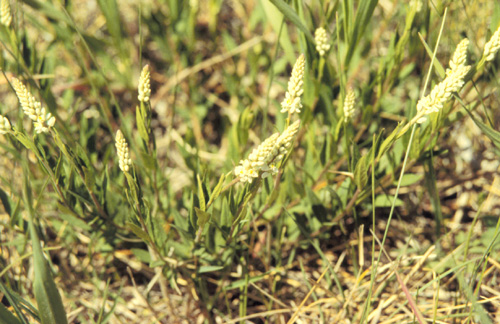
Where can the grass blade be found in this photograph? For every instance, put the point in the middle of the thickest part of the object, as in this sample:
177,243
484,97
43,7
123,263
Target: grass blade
50,307
291,15
7,317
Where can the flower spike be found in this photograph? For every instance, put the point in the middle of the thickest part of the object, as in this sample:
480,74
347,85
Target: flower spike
42,120
291,103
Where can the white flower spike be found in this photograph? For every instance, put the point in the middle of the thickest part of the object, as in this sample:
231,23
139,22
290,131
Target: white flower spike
123,155
291,103
321,39
144,88
263,160
492,46
349,105
42,120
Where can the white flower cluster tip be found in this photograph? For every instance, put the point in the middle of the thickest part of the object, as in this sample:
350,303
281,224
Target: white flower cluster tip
349,105
123,155
4,125
492,46
263,160
321,39
5,14
144,85
42,120
453,82
460,56
291,103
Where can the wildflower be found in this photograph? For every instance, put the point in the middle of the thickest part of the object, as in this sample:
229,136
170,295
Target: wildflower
492,46
5,15
123,154
321,39
265,153
459,57
263,160
292,103
144,85
4,125
285,140
42,120
245,172
349,105
442,92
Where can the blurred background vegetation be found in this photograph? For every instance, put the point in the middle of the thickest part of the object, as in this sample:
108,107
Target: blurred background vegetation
178,241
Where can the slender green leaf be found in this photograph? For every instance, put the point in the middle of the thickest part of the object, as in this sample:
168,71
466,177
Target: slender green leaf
492,134
7,317
50,307
291,15
139,232
203,217
201,194
361,172
206,269
217,190
275,18
439,68
386,201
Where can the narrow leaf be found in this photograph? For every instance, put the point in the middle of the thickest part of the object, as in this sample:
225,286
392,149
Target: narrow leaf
291,15
203,217
217,189
492,134
201,194
7,317
50,307
361,173
139,232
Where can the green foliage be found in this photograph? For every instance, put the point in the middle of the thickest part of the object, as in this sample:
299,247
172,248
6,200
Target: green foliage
180,221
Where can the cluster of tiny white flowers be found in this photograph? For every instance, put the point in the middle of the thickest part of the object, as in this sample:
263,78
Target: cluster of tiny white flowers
453,82
321,39
460,56
42,120
5,15
349,105
123,154
492,46
144,85
291,103
285,140
4,125
263,160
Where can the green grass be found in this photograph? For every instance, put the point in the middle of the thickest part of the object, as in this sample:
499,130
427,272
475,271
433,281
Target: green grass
375,220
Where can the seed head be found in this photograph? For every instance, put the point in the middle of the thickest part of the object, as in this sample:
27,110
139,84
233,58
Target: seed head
263,160
144,85
459,57
285,140
42,120
4,125
321,39
492,46
292,103
123,155
5,14
443,91
349,105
